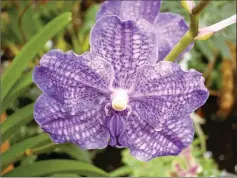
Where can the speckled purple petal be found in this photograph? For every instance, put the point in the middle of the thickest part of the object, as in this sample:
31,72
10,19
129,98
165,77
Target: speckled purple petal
169,29
145,143
124,45
133,10
78,82
84,128
109,8
164,90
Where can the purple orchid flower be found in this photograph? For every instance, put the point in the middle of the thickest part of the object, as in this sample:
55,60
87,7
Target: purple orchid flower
117,94
168,27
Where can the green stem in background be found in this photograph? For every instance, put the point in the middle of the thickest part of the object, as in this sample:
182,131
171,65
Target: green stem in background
201,136
20,20
194,25
75,42
76,16
196,10
190,35
179,47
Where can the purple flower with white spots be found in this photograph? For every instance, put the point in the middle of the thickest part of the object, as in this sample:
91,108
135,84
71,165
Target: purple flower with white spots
119,93
168,27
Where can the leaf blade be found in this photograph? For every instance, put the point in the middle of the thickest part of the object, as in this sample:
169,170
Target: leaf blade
76,152
16,151
17,89
16,120
28,52
43,168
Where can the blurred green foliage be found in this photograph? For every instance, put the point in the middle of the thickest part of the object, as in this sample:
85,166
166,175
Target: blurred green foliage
164,166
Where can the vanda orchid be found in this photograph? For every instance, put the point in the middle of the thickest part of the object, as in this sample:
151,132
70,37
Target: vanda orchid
121,93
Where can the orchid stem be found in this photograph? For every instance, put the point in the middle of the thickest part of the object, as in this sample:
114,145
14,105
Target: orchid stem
194,25
190,35
196,10
201,136
179,47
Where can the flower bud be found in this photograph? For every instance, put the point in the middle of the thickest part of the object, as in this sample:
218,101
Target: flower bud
206,32
188,5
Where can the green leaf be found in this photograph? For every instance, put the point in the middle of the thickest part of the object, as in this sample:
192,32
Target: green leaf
63,174
221,44
122,171
16,151
76,152
91,14
29,51
206,49
44,168
17,89
16,120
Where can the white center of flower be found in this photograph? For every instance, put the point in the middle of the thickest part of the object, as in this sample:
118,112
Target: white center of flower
119,100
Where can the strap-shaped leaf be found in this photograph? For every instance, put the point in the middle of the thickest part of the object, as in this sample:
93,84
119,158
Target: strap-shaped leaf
17,151
29,51
17,89
44,168
15,121
122,171
76,152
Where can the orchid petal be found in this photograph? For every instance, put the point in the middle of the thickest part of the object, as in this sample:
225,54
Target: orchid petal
109,8
170,28
78,82
124,45
164,90
84,128
146,143
133,10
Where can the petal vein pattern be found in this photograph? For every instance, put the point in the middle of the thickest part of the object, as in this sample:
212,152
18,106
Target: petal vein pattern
78,82
133,10
84,128
124,45
146,143
164,90
168,27
109,8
